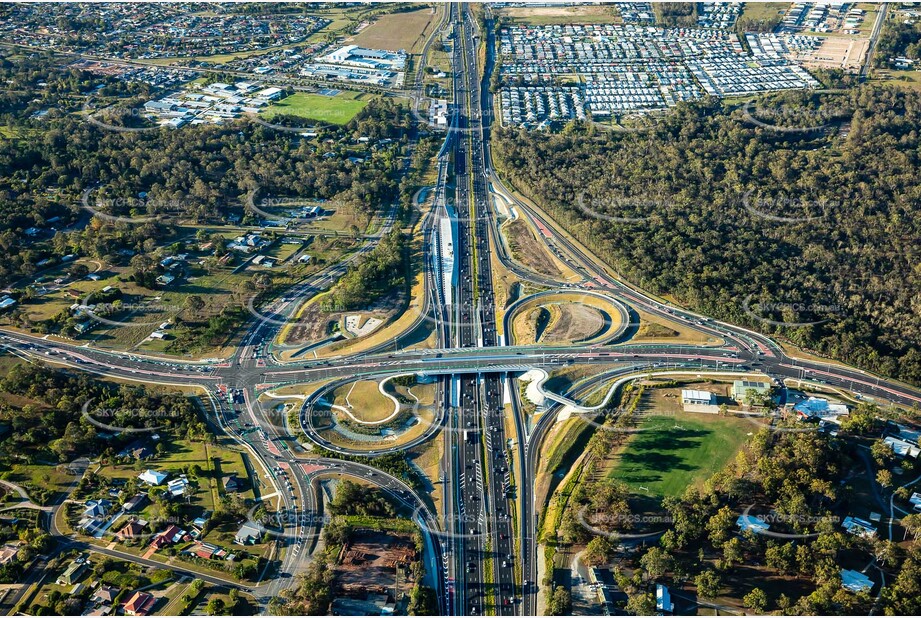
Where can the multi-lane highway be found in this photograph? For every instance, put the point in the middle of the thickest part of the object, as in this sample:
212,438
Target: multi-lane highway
488,395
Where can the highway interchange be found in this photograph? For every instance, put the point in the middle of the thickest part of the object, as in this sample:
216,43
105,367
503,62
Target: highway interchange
482,550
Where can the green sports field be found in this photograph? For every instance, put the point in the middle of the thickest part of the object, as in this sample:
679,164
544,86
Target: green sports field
674,453
337,109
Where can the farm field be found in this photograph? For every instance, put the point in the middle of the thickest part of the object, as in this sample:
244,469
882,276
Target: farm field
396,31
549,15
339,109
759,11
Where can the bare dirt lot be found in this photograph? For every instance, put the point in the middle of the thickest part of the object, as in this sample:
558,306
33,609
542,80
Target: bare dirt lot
576,322
370,561
314,324
837,53
527,250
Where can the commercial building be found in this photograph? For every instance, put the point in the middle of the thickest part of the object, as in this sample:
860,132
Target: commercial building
214,104
741,388
355,56
817,407
358,64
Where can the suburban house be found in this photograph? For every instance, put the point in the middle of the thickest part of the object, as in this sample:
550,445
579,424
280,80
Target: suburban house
105,594
8,552
139,604
136,503
178,487
73,572
132,530
172,534
152,477
139,449
97,508
232,484
201,520
207,551
247,535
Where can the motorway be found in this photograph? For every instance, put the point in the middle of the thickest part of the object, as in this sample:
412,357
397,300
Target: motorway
489,442
482,545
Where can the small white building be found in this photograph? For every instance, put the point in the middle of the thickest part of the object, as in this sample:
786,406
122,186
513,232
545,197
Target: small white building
270,94
699,401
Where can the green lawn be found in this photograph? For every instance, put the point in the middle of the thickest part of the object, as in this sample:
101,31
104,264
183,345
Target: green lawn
674,453
336,110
